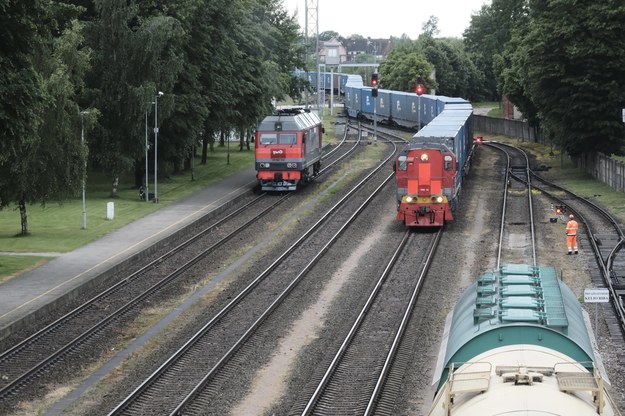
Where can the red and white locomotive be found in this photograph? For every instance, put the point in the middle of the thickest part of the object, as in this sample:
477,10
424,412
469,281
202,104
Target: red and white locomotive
288,149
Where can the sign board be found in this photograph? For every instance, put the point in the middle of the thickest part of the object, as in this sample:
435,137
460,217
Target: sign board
596,295
624,115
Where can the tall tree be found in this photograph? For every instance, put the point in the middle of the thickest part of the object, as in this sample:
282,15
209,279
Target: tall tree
44,62
402,68
455,73
21,96
430,28
185,120
140,59
510,67
575,72
486,37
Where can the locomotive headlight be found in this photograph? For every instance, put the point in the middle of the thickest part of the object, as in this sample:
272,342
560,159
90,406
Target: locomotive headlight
264,165
410,199
424,157
437,199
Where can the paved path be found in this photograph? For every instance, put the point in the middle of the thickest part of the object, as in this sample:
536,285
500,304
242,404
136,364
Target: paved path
26,297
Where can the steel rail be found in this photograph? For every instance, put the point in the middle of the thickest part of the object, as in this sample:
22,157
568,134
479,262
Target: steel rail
180,352
10,354
402,326
357,323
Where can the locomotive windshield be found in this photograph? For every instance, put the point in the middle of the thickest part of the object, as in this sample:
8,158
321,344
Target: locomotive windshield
275,138
288,138
268,138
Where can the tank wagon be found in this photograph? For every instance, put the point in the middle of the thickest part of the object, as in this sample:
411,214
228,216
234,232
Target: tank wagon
288,149
518,343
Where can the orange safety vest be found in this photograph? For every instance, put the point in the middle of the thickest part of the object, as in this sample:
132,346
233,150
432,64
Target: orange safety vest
571,227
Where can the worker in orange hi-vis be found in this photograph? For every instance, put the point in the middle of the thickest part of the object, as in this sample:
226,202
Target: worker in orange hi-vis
571,235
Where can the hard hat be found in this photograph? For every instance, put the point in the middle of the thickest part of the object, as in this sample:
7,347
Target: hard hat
571,216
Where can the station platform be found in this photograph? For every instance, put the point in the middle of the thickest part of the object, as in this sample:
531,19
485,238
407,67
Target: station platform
31,295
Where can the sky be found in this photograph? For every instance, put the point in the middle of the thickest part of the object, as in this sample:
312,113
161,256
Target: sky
382,19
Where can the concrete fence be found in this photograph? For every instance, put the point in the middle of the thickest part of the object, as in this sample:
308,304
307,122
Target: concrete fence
598,165
505,127
603,168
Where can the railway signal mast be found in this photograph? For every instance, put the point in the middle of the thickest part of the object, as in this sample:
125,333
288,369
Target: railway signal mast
419,89
374,94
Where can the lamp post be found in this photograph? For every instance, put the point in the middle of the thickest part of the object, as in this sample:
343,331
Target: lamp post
160,94
147,146
82,142
375,121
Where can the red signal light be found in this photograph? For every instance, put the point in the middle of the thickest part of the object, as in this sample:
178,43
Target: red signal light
419,89
374,80
374,84
478,140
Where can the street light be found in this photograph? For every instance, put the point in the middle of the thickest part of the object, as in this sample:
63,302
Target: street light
147,146
160,94
82,141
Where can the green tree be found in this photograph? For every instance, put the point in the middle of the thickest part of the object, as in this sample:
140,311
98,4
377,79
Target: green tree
327,35
183,121
486,37
43,64
136,55
430,28
510,67
455,74
575,72
401,69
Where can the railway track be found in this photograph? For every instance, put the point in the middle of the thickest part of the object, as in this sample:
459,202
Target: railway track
84,327
358,373
517,237
603,236
193,373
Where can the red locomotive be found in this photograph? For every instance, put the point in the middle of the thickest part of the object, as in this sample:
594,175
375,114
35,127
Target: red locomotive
288,149
425,173
430,169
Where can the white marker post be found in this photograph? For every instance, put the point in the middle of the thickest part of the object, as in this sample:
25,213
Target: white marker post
596,296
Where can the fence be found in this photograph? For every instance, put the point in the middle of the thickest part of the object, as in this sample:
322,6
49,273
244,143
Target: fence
603,168
505,127
598,165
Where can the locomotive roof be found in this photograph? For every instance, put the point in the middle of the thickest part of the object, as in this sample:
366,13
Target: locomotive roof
517,304
289,119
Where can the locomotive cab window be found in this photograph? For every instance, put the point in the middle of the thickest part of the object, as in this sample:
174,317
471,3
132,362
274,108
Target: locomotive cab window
268,138
401,162
448,164
288,138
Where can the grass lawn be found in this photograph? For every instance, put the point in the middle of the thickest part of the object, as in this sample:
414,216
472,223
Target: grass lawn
57,227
